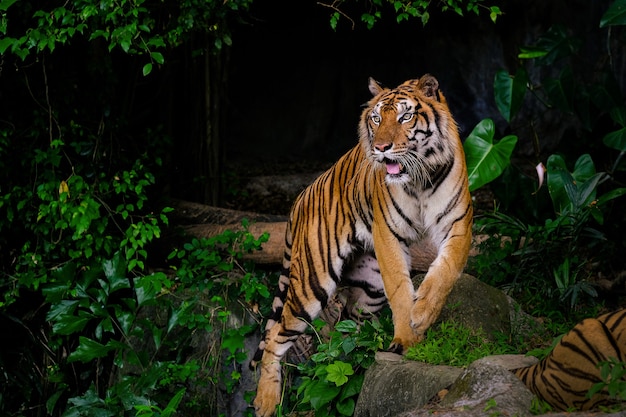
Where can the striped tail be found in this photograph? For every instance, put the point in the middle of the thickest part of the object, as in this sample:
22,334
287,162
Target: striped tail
563,379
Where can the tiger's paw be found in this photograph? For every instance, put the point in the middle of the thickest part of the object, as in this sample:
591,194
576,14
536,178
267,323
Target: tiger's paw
400,346
267,398
422,316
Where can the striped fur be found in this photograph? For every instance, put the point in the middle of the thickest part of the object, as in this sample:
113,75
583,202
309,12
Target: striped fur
404,183
565,376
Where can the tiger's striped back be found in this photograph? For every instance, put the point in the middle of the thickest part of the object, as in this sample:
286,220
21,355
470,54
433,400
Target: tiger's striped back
564,377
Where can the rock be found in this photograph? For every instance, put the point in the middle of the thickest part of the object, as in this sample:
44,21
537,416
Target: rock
485,388
394,385
486,385
476,305
509,362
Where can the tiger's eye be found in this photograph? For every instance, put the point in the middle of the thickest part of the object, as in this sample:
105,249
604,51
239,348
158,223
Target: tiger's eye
407,116
376,118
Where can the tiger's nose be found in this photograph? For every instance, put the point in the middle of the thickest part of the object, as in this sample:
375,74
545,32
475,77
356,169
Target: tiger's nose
382,147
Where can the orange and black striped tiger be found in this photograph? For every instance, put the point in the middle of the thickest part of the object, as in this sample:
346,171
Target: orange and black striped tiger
404,183
565,376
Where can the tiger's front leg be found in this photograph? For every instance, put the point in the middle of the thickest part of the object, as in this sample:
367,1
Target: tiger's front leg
394,262
442,274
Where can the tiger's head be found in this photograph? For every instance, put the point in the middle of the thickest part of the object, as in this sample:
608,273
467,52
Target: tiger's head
408,130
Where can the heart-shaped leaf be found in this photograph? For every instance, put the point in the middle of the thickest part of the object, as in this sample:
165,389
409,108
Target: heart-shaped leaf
509,92
485,159
615,15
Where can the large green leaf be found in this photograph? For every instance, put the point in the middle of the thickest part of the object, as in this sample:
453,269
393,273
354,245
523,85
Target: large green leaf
485,159
88,350
338,372
509,92
115,272
558,43
617,139
563,185
561,90
615,15
321,393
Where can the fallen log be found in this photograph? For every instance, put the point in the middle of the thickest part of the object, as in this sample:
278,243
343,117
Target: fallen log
201,221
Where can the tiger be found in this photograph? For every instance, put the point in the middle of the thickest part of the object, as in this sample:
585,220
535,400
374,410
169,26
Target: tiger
564,377
404,183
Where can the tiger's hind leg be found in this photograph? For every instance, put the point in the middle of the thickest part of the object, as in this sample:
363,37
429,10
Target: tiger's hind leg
278,341
298,312
365,294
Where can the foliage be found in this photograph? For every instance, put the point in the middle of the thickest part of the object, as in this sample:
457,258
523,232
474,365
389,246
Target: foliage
146,28
410,9
105,321
485,159
548,256
613,374
453,344
330,381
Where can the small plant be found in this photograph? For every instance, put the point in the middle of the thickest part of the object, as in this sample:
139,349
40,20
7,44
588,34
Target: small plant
613,374
330,380
539,406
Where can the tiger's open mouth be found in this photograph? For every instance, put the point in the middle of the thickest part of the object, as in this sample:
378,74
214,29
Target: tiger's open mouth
394,167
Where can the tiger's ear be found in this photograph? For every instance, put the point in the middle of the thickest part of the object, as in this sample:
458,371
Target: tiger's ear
375,87
429,86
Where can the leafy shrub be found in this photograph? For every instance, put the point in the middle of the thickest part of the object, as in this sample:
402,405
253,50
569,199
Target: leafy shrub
547,254
613,374
330,380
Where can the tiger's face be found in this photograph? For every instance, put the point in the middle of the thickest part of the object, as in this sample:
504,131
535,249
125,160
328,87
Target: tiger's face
404,130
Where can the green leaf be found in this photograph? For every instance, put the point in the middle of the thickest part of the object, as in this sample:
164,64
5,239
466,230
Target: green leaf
321,393
338,372
615,15
158,57
61,281
88,350
346,407
618,192
485,159
5,43
509,92
172,405
562,185
494,12
618,114
115,271
531,52
147,69
69,324
353,387
346,326
557,43
146,289
5,4
65,307
233,340
561,90
617,138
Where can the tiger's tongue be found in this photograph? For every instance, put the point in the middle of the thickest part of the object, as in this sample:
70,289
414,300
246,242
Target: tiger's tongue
392,167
